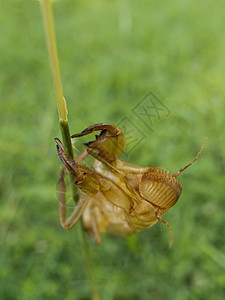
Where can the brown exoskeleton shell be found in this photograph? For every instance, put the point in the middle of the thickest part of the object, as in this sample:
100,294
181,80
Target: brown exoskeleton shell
116,197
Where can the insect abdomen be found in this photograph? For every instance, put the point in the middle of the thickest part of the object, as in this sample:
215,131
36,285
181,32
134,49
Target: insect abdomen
160,188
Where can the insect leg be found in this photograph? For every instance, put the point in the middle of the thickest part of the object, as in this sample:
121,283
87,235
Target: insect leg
68,223
83,177
188,165
108,145
95,233
111,130
168,226
83,154
107,164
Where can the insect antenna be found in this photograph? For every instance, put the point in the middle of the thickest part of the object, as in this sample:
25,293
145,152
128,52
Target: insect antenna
188,165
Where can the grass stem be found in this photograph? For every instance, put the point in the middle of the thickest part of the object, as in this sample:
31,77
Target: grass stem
53,56
63,122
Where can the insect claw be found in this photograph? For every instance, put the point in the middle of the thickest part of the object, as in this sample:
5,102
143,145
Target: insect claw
108,129
87,143
59,143
69,163
109,144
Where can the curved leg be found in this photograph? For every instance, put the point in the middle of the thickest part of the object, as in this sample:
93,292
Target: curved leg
106,163
95,233
110,129
68,223
83,177
188,165
83,154
109,144
168,226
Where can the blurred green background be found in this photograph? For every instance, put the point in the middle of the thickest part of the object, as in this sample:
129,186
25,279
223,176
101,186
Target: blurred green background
112,53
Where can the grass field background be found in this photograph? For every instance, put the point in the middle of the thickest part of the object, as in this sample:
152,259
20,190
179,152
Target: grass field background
112,53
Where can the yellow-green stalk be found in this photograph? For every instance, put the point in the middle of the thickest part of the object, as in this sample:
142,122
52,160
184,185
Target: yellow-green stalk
53,57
